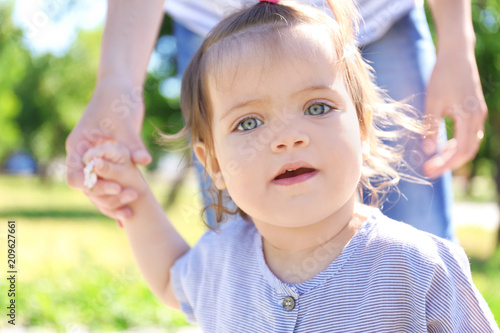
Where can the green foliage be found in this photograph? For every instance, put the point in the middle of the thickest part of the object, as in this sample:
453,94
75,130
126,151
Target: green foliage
486,17
486,275
95,297
162,113
77,269
13,64
42,97
75,266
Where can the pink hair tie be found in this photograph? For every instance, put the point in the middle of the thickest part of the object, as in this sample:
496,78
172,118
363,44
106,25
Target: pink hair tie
271,1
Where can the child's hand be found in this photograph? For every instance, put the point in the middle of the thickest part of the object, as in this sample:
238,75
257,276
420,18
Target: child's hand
113,165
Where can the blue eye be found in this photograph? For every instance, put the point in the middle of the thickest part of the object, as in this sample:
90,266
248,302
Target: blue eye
318,109
249,124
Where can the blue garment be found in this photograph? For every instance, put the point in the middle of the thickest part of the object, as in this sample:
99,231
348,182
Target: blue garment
200,16
390,277
403,60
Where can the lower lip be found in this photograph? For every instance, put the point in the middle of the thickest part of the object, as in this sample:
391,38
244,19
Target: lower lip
294,180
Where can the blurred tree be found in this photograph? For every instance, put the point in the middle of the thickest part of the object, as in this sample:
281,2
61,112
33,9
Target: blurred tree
54,92
13,63
486,18
161,92
42,97
486,15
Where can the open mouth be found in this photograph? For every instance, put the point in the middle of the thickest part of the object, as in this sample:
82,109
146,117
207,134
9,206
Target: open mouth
294,173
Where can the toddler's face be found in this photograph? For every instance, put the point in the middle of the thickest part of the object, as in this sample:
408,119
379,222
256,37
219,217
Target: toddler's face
287,111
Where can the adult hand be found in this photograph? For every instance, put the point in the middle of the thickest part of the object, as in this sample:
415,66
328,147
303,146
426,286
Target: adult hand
115,113
112,162
454,91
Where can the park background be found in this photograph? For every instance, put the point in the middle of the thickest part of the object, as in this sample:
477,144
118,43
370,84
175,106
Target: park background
75,269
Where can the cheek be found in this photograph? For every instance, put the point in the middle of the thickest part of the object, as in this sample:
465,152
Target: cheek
235,162
243,183
345,134
344,147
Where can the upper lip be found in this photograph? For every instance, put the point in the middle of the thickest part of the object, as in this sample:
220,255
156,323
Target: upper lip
293,166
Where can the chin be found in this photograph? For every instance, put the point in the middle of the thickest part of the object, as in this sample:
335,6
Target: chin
299,219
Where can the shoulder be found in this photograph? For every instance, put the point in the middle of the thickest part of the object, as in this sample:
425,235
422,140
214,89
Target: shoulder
236,231
404,243
405,236
433,272
217,249
205,269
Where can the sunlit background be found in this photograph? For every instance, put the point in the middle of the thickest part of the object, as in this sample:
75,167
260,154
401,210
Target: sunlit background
75,269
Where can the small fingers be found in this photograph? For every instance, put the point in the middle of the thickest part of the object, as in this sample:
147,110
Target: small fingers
113,152
111,171
113,202
127,196
104,187
121,214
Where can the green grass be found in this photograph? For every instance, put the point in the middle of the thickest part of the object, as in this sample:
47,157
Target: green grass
477,189
486,276
75,267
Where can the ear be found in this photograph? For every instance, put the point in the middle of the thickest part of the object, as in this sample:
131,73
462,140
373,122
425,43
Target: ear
213,169
365,150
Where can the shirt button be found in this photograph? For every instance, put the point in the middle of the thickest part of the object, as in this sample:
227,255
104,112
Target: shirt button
288,303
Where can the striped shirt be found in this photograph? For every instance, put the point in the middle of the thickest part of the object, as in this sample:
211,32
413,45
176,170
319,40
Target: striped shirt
200,16
389,278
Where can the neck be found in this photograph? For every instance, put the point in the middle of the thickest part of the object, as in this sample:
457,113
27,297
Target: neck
296,255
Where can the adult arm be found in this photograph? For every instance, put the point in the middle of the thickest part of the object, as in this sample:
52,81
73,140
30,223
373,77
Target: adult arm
454,88
116,109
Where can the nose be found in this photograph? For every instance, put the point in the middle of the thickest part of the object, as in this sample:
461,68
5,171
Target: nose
289,140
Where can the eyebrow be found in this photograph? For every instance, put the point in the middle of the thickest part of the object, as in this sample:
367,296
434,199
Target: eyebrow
308,89
317,87
240,106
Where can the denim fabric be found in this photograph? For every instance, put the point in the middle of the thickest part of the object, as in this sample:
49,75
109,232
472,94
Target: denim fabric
187,45
403,60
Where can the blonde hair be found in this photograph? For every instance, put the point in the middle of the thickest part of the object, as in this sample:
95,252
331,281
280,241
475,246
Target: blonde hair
381,120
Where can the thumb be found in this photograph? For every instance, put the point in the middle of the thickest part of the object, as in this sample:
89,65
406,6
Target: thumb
129,134
75,149
140,154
